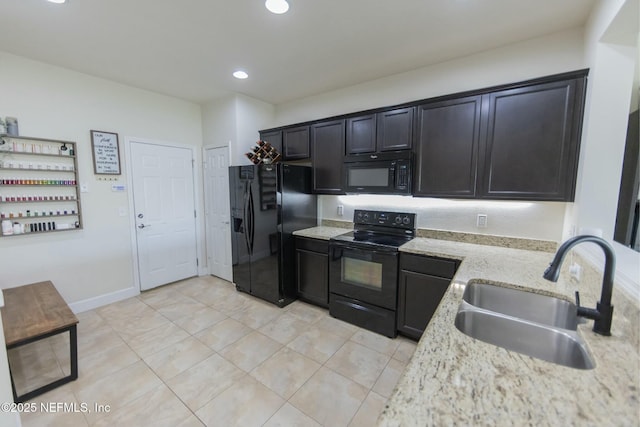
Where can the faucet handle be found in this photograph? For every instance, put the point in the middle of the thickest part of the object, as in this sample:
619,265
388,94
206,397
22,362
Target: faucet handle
577,299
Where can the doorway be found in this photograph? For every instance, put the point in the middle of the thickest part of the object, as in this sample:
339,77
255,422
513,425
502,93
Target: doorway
164,210
217,212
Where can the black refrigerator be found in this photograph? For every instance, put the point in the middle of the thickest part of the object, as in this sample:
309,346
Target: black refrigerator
268,203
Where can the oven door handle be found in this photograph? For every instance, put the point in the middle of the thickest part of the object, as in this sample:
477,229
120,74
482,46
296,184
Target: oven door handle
341,247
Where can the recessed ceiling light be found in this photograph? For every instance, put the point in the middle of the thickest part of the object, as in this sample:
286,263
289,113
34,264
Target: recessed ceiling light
240,74
57,1
277,6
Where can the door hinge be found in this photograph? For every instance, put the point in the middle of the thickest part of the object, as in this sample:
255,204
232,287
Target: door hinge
197,262
194,214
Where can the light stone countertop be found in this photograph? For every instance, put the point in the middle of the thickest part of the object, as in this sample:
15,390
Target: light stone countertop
453,379
322,233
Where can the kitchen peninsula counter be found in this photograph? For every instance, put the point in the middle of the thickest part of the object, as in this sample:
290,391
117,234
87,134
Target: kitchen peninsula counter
453,379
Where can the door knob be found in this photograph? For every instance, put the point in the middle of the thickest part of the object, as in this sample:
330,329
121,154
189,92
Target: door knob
141,226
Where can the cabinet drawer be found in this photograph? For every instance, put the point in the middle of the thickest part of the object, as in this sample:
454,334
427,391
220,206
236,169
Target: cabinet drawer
314,245
429,265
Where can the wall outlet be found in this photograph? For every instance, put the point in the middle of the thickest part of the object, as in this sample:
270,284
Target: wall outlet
481,221
340,210
575,271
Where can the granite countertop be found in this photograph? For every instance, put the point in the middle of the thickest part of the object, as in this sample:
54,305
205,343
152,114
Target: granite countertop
453,379
322,233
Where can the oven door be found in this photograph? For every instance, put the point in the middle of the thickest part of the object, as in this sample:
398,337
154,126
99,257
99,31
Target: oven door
366,274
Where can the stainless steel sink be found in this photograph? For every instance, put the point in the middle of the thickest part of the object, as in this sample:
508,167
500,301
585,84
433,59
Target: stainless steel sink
536,325
522,304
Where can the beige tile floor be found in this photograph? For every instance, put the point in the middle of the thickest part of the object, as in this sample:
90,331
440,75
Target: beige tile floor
198,352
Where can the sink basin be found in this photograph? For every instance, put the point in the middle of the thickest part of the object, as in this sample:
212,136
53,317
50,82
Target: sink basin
528,323
522,304
557,345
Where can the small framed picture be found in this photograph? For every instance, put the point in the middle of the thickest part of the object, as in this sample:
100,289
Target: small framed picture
106,153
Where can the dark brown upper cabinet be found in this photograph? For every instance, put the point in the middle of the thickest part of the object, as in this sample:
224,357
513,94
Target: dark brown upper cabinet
361,134
531,139
274,138
395,129
327,151
448,135
385,131
295,143
517,141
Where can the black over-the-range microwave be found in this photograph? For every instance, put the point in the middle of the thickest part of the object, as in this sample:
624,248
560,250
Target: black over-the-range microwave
380,173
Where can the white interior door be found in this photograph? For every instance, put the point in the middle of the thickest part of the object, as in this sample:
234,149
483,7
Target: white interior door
164,208
217,212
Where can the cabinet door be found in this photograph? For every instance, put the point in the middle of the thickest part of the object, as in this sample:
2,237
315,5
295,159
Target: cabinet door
361,134
327,152
296,143
274,138
395,129
312,271
418,297
532,140
447,148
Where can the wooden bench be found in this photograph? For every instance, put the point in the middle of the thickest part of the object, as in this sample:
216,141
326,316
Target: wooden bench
34,312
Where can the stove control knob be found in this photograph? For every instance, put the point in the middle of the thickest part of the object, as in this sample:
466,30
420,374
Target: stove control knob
406,220
398,220
365,217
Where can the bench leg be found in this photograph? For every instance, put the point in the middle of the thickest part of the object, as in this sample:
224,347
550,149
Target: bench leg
73,352
73,344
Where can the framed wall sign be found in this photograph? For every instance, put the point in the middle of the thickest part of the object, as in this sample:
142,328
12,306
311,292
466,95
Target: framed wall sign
106,153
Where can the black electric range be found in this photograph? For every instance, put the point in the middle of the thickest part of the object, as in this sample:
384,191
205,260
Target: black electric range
363,269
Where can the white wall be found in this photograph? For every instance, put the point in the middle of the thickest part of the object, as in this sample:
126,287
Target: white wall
252,115
234,121
611,49
52,102
533,58
219,122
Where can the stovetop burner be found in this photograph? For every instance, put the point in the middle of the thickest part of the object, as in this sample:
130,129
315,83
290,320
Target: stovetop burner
384,229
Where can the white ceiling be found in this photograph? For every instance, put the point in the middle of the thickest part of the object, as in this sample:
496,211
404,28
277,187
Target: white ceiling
188,49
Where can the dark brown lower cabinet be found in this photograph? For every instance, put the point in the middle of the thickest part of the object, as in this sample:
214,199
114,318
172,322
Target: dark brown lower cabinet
423,281
312,270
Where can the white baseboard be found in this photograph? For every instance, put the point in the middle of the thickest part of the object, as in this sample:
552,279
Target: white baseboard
99,301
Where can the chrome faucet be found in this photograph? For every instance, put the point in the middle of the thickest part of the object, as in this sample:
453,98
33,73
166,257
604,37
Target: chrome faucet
603,312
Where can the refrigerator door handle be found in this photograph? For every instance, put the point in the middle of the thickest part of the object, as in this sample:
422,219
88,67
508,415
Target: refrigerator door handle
251,218
245,219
